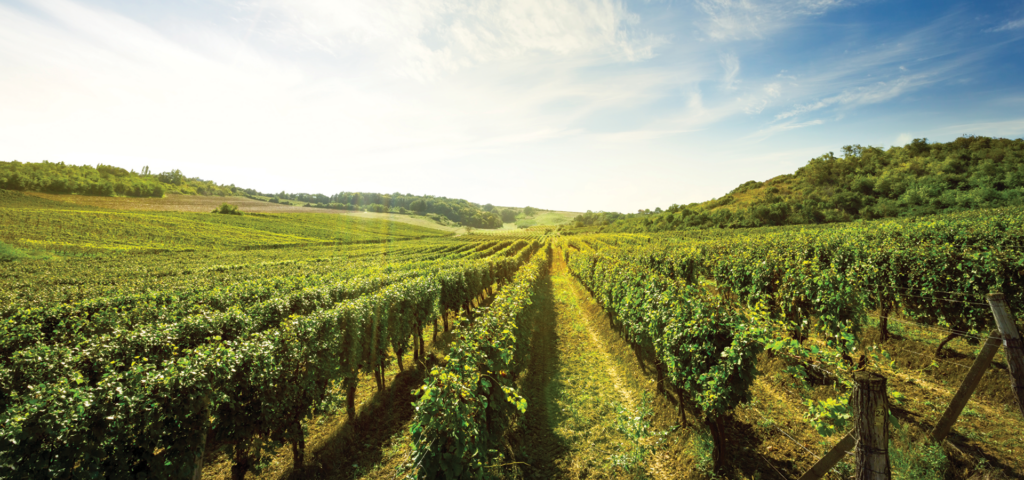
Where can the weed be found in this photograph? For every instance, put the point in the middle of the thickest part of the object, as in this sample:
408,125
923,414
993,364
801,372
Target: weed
844,469
912,458
970,412
703,449
637,428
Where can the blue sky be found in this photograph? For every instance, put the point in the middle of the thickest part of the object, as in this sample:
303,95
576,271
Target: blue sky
562,104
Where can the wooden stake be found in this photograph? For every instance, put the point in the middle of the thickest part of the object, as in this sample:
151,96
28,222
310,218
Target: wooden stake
967,388
200,438
1014,348
830,459
871,431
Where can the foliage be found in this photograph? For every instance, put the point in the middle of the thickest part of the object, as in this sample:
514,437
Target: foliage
704,348
227,209
105,180
142,377
147,352
508,215
464,405
828,416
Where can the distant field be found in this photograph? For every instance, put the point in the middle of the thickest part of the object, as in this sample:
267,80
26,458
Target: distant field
48,223
544,217
201,204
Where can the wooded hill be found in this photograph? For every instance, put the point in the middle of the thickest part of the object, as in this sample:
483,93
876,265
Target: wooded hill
919,178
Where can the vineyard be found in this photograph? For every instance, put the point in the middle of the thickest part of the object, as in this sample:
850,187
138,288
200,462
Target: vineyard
161,344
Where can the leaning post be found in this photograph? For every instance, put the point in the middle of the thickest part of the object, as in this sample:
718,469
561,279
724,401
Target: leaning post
1014,348
970,383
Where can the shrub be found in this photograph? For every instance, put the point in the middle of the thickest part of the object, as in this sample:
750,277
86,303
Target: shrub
9,253
227,209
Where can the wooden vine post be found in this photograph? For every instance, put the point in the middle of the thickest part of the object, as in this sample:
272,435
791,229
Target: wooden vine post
200,438
1014,347
970,383
871,431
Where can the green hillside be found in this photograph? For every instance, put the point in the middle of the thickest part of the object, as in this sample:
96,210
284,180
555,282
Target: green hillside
864,182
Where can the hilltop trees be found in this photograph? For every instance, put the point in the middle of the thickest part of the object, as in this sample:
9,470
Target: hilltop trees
58,178
919,178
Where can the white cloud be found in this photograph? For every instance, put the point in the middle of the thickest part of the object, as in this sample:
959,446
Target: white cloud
742,19
426,38
903,139
731,65
876,93
782,127
1011,25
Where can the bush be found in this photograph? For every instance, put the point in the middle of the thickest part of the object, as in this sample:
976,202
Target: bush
10,254
227,209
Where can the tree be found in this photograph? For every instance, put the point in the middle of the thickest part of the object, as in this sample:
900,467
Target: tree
418,206
529,211
508,215
173,177
488,208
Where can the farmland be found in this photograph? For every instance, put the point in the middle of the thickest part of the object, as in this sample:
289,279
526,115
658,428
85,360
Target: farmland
159,339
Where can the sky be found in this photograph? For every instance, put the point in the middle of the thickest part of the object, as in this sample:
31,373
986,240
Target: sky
560,104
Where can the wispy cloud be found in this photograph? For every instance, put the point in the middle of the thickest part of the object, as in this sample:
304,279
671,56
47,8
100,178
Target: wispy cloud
876,93
782,127
743,19
1011,25
731,65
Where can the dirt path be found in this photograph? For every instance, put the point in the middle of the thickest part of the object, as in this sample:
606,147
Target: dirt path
576,393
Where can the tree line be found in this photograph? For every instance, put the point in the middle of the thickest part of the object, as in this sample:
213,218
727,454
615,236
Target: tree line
106,180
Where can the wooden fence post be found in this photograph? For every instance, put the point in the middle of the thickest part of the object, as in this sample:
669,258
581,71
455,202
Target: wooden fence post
970,383
1012,342
200,438
870,403
830,459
